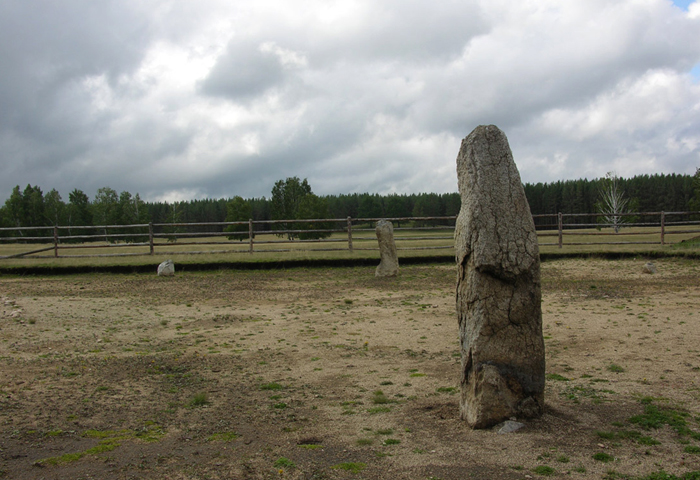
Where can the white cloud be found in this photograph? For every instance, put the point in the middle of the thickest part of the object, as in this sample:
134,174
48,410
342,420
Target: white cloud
694,10
642,125
223,98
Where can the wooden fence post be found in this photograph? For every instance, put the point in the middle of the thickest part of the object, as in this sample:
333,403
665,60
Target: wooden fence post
55,241
663,228
350,234
250,236
150,237
561,230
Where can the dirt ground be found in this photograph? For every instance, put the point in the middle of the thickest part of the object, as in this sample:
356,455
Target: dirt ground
333,374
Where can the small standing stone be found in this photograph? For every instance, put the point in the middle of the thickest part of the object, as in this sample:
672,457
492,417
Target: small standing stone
389,264
498,286
649,268
166,269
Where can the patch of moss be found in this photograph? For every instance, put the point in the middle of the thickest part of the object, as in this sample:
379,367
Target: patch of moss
544,470
603,457
311,446
655,417
271,386
284,462
353,467
110,439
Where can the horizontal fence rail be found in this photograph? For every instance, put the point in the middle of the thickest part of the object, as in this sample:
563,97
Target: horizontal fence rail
334,234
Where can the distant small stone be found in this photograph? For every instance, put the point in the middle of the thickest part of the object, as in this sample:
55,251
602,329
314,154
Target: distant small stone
166,269
389,264
509,426
649,268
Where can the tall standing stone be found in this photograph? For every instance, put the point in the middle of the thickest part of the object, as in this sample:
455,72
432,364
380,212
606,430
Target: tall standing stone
498,286
389,260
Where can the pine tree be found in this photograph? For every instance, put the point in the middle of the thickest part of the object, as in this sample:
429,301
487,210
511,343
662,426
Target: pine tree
238,210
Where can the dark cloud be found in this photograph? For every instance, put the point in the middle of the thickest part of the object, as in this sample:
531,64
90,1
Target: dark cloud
245,70
45,46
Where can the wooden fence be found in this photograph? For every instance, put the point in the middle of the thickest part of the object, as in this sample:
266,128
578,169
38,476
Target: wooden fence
349,234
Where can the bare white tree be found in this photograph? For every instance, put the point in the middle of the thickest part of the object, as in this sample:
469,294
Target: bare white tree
613,202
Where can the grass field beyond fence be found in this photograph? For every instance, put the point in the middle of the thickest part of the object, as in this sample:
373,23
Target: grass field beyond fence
270,241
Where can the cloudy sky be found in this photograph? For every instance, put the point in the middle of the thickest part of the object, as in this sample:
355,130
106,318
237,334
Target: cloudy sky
215,98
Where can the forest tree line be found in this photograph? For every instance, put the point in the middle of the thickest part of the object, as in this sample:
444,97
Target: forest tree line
293,199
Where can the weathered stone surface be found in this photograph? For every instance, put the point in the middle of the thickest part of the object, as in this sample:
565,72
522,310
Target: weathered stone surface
498,286
166,269
389,263
649,268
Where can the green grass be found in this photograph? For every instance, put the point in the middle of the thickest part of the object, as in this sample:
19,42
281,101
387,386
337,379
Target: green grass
378,398
450,390
104,433
557,377
238,251
311,446
150,433
199,400
106,445
271,386
689,243
655,417
603,457
648,441
544,470
576,392
353,467
233,251
109,440
284,462
660,475
615,368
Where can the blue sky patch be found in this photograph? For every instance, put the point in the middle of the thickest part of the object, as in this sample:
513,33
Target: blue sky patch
683,4
695,73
